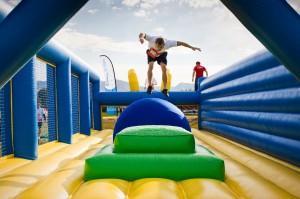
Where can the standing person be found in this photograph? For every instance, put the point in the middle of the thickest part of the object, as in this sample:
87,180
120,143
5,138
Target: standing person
157,52
40,116
153,83
198,69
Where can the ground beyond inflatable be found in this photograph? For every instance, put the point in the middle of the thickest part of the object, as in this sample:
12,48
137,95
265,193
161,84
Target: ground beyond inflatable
247,144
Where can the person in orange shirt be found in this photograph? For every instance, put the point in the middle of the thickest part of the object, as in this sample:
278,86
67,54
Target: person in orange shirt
199,70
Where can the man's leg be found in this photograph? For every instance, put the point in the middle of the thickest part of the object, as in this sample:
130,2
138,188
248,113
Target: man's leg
164,78
149,74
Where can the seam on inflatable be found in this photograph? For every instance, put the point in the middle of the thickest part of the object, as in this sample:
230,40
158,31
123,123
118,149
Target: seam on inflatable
128,191
182,192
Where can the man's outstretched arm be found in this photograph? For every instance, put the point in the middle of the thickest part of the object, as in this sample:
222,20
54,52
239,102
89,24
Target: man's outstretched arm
180,43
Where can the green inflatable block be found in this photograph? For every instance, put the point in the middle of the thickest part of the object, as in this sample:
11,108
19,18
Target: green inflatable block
174,166
154,139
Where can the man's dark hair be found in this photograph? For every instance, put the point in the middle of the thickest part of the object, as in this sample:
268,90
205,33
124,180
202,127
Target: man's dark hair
197,62
160,41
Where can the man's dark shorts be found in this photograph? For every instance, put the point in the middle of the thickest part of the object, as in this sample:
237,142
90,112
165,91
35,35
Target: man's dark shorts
162,58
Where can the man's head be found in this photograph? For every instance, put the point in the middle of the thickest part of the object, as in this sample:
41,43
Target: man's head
38,105
159,43
198,63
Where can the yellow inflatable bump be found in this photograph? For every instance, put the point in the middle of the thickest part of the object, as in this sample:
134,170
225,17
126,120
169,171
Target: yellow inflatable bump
133,80
169,80
206,188
154,188
103,189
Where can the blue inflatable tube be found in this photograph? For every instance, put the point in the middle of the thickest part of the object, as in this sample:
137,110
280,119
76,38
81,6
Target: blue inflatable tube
276,24
258,62
56,53
270,79
280,124
280,147
38,21
281,100
126,98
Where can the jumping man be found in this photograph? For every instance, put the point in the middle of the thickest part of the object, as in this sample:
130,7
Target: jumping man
157,52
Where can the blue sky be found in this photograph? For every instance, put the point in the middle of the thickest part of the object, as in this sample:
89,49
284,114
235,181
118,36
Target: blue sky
112,27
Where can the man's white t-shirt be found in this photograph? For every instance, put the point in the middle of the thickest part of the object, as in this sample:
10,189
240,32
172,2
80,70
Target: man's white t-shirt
168,43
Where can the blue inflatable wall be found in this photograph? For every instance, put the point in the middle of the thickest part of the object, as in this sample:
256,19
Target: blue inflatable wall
255,102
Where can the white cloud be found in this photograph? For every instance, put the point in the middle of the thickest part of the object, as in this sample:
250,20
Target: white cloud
130,3
159,30
89,42
140,13
93,11
116,8
147,4
199,4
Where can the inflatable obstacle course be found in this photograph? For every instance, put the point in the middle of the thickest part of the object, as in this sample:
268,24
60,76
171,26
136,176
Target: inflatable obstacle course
163,152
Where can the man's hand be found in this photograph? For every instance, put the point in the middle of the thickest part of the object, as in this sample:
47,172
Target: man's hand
142,37
142,40
196,48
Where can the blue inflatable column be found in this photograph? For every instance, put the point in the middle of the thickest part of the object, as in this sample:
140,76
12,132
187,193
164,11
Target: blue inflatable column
97,107
85,115
64,102
38,21
199,104
276,24
24,102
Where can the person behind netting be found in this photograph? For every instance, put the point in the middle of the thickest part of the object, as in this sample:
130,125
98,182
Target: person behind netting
198,69
153,83
157,47
41,116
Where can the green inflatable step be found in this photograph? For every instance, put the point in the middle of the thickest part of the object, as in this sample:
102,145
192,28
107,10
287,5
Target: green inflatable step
174,166
154,139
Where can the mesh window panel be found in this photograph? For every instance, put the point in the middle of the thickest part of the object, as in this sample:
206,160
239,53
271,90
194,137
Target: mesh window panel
75,103
51,96
91,106
2,124
5,123
46,99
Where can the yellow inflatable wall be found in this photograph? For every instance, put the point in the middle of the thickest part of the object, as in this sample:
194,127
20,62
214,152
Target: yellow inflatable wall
169,75
133,80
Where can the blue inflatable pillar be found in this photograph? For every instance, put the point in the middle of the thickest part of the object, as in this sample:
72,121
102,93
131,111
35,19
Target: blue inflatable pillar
96,107
276,24
64,101
24,102
85,116
27,28
199,104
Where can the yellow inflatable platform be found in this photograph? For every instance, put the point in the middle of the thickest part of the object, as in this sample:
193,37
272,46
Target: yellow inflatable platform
58,174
